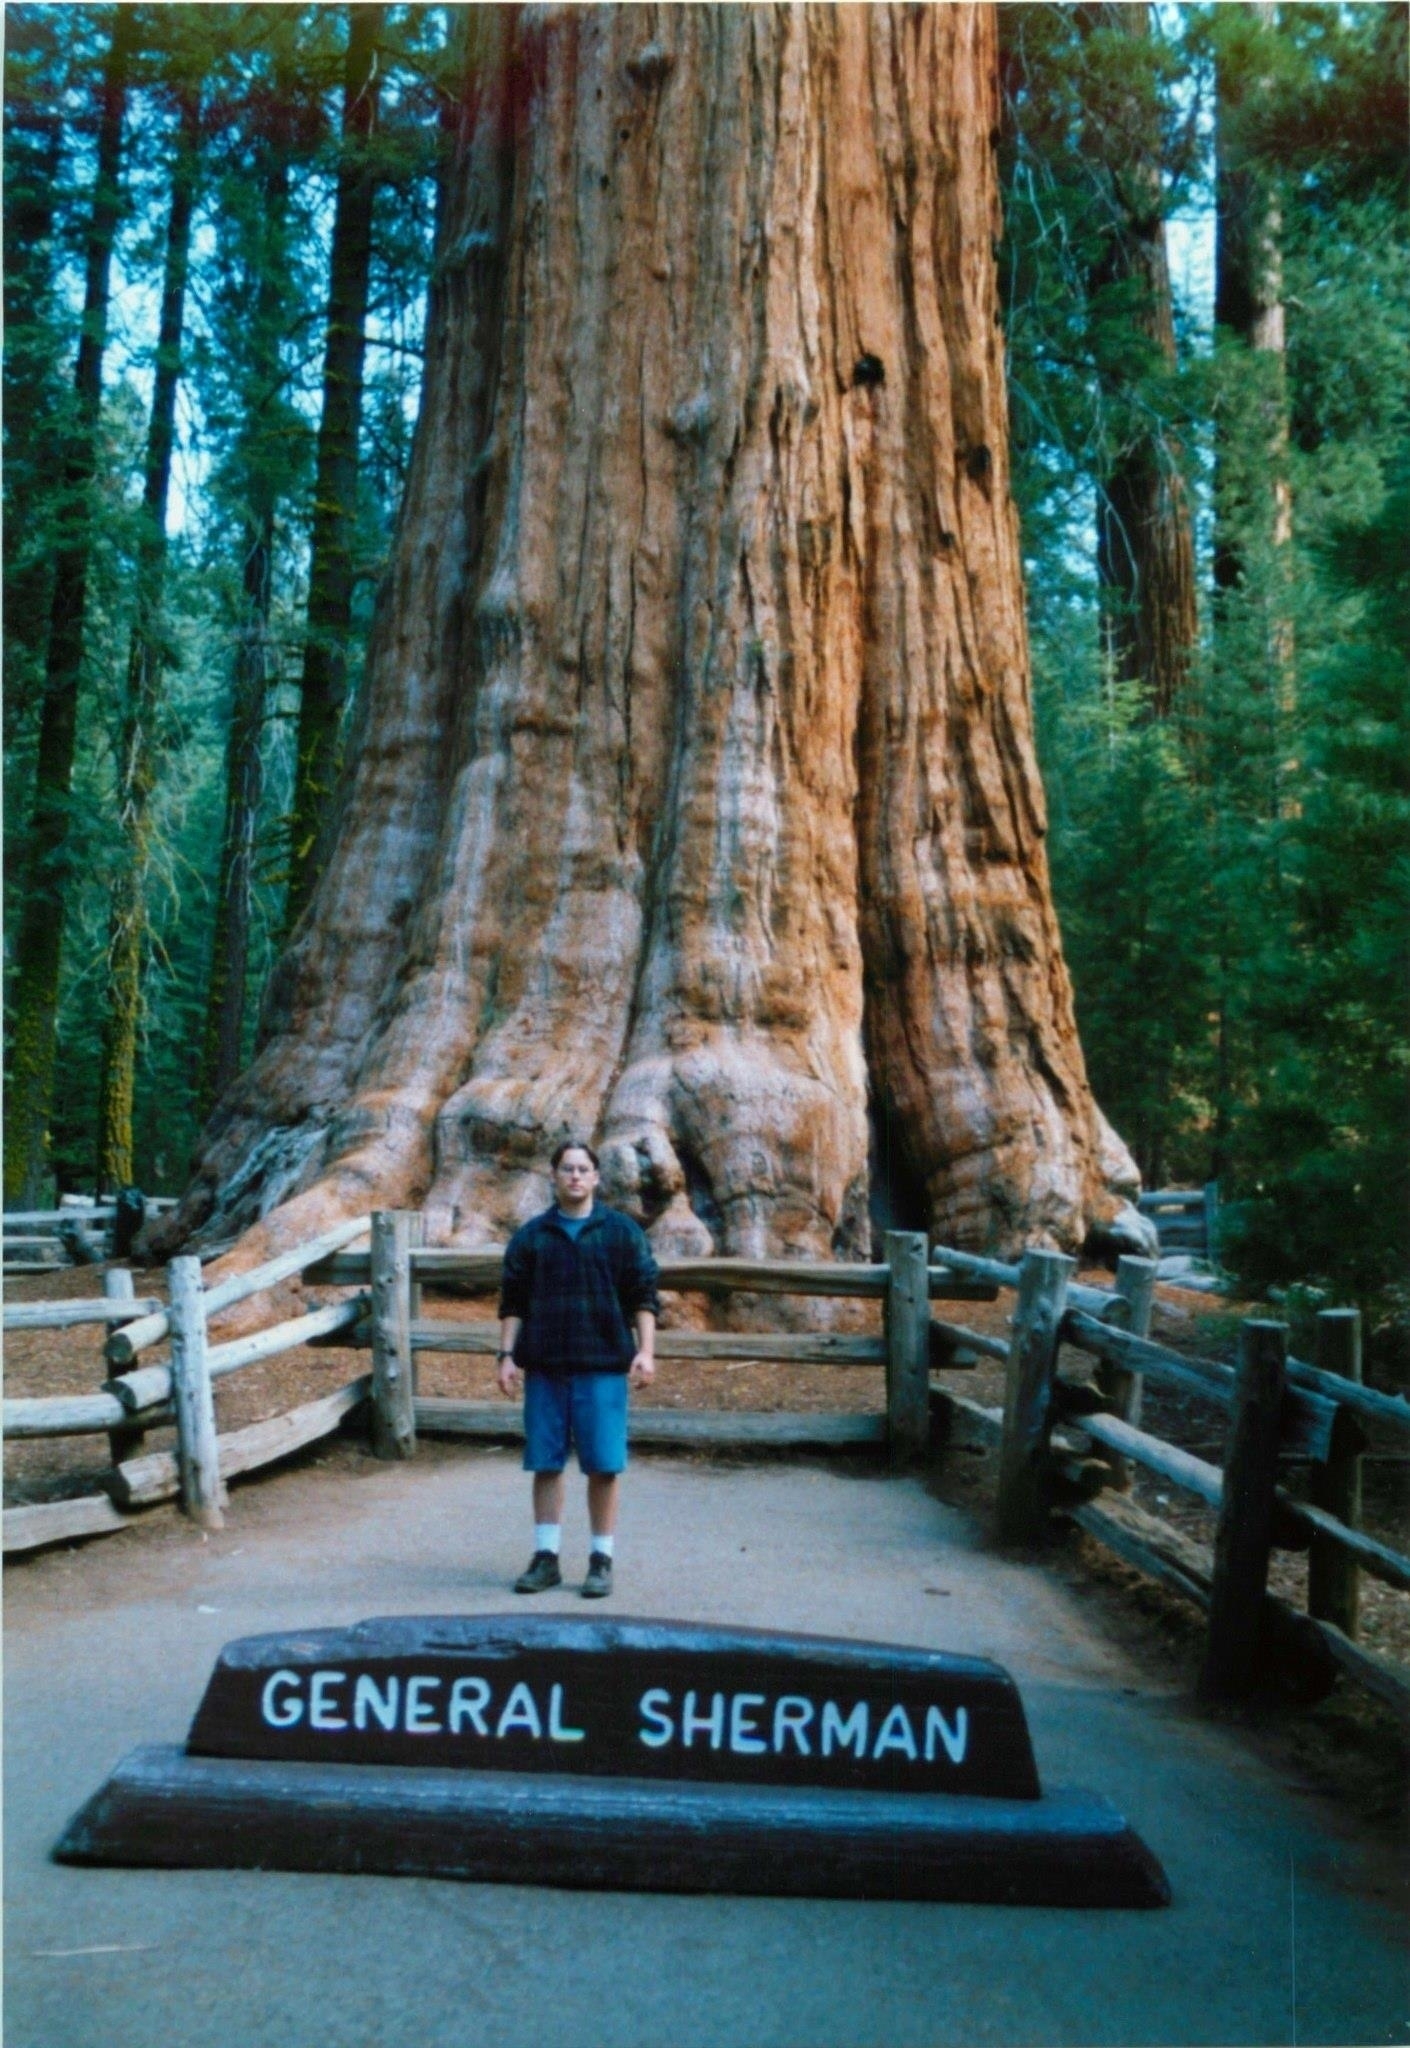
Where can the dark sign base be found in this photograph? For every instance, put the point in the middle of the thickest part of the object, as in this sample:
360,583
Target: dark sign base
166,1807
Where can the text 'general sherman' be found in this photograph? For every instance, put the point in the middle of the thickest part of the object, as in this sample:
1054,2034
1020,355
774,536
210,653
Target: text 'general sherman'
470,1709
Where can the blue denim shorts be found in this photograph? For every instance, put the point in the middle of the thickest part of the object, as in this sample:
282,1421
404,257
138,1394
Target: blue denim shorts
584,1410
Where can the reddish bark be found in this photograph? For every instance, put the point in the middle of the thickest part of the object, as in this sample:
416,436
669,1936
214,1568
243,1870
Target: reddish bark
696,806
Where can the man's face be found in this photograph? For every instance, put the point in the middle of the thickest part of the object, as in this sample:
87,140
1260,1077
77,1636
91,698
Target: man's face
574,1177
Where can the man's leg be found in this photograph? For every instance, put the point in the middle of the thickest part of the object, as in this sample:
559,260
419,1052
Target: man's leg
602,1451
602,1491
602,1514
545,1450
548,1499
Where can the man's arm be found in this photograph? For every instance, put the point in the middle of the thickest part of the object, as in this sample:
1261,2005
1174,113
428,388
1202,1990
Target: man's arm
643,1369
508,1377
513,1304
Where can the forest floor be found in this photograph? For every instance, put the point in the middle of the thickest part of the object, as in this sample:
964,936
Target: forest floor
1348,1738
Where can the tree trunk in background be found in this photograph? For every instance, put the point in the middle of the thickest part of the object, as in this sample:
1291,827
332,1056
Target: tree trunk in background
330,597
696,807
223,1045
33,160
137,763
39,942
1145,543
1253,499
1253,489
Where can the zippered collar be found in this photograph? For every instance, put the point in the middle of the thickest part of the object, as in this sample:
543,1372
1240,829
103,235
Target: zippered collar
554,1216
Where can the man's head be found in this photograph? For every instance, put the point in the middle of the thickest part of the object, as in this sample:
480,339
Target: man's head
575,1175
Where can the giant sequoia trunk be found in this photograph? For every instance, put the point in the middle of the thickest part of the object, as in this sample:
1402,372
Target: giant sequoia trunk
695,806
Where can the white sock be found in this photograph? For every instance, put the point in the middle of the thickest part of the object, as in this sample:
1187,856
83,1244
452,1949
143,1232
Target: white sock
602,1546
547,1536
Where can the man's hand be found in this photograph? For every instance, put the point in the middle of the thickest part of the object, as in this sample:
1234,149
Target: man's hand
643,1370
509,1378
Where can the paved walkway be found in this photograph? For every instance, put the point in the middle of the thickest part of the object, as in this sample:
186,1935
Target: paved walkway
1284,1926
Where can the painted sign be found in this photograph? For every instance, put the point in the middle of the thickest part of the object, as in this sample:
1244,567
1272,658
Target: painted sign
635,1699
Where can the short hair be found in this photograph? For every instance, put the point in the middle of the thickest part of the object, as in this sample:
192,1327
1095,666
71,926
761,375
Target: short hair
574,1145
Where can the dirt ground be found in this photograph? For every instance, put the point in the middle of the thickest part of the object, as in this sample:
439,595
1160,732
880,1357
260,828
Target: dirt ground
1349,1737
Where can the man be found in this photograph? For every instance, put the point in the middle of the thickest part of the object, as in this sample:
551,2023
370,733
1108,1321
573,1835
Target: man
578,1308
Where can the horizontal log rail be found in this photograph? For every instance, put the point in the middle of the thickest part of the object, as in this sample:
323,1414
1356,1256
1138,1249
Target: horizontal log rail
813,1347
1181,1468
1390,1566
957,1337
76,1415
481,1270
43,1219
501,1421
1098,1301
1367,1401
60,1521
287,1336
64,1315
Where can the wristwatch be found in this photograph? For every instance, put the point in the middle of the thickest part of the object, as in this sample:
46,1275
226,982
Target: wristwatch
502,1356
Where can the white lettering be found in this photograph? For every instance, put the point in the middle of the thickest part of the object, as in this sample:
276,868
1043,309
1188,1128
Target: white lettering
712,1723
468,1699
320,1707
955,1739
743,1739
520,1712
368,1699
661,1731
840,1733
895,1732
290,1712
420,1713
792,1714
556,1731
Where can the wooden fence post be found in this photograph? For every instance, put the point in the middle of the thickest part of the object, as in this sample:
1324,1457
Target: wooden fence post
126,1440
1021,1510
1135,1284
415,1237
197,1453
393,1415
1243,1541
907,1345
1333,1578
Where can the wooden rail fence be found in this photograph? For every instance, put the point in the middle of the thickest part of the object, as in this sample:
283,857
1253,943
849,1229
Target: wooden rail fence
1185,1219
1066,1446
77,1233
137,1398
1064,1443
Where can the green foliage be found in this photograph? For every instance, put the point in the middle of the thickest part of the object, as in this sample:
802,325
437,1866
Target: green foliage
1324,1140
1232,885
271,79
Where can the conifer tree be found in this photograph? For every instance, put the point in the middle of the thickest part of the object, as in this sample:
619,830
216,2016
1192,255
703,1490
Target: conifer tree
1145,542
330,599
39,941
143,711
257,477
